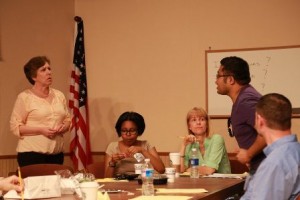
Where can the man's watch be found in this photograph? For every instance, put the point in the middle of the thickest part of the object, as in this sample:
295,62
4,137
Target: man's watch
111,164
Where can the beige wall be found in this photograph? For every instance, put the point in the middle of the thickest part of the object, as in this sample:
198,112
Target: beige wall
29,28
141,55
148,56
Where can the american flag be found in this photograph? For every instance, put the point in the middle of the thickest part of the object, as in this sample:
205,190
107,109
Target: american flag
80,140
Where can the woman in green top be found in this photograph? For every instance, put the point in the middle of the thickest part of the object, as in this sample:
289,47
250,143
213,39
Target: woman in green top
213,155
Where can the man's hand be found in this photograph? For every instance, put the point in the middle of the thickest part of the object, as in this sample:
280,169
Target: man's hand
243,156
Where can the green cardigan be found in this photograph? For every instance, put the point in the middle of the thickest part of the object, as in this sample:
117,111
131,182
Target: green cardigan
215,155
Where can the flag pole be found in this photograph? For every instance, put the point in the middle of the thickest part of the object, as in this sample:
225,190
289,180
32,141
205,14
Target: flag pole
80,141
77,19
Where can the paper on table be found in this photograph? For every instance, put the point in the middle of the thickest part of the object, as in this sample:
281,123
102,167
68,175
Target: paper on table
183,191
67,186
161,198
185,174
237,176
101,196
12,194
102,180
38,187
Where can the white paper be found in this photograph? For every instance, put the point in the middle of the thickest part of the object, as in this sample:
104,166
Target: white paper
237,176
179,190
162,197
37,187
67,186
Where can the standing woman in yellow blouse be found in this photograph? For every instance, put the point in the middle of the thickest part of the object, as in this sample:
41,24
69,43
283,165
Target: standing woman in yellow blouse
40,117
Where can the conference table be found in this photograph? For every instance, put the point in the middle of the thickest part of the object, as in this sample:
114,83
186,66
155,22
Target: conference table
218,188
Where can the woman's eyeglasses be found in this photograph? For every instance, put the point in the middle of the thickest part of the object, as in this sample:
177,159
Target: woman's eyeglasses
129,132
230,132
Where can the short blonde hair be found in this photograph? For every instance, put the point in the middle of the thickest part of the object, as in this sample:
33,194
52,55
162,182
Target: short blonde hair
196,111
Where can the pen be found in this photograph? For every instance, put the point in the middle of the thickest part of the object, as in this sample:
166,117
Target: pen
21,182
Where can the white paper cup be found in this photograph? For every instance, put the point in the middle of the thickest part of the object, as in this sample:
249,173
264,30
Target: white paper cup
89,190
170,170
138,168
174,158
170,173
175,162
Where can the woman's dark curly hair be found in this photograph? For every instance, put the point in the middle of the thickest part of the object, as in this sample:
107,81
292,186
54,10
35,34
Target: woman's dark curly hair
135,118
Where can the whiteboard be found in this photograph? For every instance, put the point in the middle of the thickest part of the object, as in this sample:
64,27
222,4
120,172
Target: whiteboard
275,69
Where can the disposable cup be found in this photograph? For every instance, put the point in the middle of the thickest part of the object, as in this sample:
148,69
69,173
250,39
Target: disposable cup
89,190
170,173
174,158
175,162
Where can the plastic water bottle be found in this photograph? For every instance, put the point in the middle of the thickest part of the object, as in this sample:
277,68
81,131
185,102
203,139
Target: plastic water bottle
194,163
147,178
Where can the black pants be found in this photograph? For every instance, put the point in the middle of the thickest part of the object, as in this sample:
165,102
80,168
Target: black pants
30,158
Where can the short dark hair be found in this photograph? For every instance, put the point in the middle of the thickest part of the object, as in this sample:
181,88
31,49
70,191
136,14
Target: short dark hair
31,67
238,68
135,118
276,109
